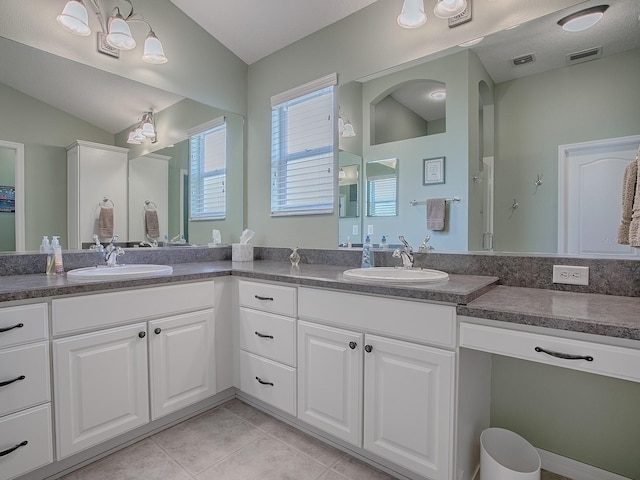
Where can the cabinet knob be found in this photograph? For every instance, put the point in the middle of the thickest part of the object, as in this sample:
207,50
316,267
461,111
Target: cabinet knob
157,331
353,345
368,348
142,334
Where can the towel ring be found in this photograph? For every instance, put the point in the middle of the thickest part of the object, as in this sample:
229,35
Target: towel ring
152,205
105,202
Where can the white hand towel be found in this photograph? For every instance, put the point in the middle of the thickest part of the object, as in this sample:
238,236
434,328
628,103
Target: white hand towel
436,213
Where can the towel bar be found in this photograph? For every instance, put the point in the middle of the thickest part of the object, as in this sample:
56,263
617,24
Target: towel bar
413,203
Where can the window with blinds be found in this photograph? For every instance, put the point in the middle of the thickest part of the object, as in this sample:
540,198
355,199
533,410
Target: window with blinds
303,154
381,196
208,171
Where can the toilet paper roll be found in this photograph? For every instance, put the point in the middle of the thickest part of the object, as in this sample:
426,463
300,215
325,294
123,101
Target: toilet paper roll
241,252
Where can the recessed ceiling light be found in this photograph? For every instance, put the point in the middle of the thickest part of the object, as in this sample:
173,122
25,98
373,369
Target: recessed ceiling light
579,21
438,94
471,43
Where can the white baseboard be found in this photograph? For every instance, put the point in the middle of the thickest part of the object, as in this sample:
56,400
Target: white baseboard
573,469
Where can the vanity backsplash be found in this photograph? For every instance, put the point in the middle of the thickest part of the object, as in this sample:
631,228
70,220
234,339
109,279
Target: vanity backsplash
609,277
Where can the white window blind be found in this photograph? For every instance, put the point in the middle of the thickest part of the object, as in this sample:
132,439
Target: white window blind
208,171
381,196
302,149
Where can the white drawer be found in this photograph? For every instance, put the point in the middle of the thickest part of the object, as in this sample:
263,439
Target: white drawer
23,324
268,335
271,382
267,297
32,426
410,320
608,360
27,368
88,312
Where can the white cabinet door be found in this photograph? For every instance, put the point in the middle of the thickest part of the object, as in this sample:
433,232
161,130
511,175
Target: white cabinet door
182,359
408,405
330,380
100,386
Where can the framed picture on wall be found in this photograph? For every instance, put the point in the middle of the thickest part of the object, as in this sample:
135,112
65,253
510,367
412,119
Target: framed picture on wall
433,171
7,199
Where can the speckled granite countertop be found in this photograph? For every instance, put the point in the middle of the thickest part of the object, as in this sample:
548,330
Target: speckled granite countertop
592,313
460,289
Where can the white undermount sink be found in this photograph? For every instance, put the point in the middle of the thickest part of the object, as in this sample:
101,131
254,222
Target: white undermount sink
396,276
119,272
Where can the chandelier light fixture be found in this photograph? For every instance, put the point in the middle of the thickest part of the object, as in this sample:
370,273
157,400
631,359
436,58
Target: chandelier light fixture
115,34
144,131
413,15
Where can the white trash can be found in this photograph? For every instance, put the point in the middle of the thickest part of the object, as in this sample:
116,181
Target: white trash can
505,455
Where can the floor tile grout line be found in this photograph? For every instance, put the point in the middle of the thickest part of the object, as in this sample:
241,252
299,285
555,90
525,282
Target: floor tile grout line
172,457
231,454
304,453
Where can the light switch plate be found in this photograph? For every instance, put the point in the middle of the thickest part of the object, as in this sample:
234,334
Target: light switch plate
369,229
354,230
571,275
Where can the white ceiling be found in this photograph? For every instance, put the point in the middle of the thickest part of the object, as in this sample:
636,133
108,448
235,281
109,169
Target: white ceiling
252,30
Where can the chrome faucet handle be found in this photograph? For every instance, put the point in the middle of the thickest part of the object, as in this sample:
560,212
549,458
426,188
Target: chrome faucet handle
97,246
424,247
115,238
408,248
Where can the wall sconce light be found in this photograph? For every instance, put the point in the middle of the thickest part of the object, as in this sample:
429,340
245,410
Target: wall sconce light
115,34
579,21
145,130
345,128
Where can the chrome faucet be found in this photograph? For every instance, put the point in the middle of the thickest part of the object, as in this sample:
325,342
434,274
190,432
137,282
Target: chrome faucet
406,254
424,247
112,252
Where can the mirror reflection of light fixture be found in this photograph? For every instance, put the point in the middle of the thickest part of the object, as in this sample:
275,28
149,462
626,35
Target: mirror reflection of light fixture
449,8
342,174
412,14
115,31
579,21
345,128
438,94
144,130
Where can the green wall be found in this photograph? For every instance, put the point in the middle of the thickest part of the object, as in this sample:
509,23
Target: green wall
7,219
537,113
586,417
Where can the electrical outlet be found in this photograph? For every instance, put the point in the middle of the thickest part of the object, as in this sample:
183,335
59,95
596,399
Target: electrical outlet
369,229
571,275
354,230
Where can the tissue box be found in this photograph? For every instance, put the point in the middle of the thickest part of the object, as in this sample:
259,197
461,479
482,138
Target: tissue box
241,252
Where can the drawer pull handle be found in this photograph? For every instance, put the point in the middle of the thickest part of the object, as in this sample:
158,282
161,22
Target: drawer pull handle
142,334
368,348
262,382
262,335
565,356
20,325
157,331
264,298
8,451
353,345
9,382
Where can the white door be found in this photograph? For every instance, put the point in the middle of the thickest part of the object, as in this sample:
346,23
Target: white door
330,380
408,405
590,196
100,386
182,361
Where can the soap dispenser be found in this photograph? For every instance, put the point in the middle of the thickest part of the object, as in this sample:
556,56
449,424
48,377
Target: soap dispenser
367,254
57,255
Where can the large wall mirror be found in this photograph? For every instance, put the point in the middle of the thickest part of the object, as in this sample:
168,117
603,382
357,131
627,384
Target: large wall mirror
506,125
46,117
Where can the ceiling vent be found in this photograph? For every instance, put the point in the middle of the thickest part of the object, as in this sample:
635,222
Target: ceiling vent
584,55
523,59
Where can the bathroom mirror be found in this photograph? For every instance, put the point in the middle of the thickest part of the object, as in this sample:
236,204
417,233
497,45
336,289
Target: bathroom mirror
45,153
382,187
504,126
349,198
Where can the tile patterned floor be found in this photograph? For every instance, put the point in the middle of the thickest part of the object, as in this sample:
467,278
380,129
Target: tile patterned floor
232,442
